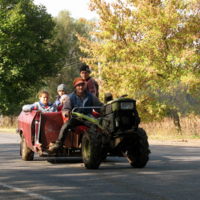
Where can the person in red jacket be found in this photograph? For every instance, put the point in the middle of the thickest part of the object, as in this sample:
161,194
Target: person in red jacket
90,84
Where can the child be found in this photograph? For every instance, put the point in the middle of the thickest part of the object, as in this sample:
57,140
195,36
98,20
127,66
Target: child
43,105
61,90
62,99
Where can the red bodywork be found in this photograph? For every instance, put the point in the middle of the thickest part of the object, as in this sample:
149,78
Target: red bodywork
40,129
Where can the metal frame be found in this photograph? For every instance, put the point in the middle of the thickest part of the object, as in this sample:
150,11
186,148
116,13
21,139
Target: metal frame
89,107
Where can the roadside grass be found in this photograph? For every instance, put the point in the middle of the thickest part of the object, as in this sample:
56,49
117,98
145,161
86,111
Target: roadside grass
163,130
8,124
8,130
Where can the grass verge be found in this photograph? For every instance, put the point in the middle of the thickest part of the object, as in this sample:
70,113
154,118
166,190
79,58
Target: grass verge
8,130
165,129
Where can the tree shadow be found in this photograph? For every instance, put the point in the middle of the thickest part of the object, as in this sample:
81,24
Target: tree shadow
169,169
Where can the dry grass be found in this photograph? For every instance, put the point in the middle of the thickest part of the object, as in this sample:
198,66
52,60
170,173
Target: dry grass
166,130
6,126
155,130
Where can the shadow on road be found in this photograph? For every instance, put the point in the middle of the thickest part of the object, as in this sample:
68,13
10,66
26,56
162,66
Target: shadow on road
170,173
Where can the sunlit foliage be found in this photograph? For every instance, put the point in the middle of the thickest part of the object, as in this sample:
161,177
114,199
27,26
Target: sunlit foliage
149,50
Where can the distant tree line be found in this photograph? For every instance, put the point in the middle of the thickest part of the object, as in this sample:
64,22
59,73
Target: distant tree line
147,49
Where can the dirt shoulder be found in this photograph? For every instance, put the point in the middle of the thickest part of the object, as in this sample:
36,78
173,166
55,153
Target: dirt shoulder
175,142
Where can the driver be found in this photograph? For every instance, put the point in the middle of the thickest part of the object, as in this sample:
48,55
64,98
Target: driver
80,97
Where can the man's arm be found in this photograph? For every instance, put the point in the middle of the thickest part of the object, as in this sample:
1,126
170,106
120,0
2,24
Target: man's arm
96,102
67,107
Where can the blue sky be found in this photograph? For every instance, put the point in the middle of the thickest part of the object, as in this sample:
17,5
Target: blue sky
78,8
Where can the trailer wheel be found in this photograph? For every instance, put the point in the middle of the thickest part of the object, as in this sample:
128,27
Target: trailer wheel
139,154
91,149
21,146
26,153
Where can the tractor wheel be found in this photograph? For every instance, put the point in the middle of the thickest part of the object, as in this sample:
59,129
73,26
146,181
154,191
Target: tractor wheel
139,154
91,149
26,153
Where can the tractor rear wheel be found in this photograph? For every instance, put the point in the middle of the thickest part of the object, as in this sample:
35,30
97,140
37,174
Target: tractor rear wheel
91,149
26,153
139,154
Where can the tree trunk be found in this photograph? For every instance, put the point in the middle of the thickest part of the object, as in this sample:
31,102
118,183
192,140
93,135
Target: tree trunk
176,120
1,120
11,120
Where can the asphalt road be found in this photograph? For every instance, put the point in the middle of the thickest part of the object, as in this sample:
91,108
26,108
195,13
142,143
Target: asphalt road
172,173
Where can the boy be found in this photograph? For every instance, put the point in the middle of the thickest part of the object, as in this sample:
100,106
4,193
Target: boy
90,84
61,90
43,105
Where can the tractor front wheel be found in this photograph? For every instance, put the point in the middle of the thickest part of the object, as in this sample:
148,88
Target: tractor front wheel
139,154
91,149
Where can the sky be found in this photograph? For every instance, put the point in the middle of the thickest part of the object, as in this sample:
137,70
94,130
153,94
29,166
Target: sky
78,8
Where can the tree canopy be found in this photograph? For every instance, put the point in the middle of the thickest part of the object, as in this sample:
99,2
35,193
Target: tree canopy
145,48
68,27
28,51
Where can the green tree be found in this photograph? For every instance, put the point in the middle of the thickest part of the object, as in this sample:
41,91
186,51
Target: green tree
28,51
146,47
68,27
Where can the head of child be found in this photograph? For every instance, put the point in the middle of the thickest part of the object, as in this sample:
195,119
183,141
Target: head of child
44,97
61,90
63,98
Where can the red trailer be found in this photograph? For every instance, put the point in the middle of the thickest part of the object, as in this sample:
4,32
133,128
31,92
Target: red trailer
39,130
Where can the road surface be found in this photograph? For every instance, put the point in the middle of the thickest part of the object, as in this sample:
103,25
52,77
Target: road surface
173,172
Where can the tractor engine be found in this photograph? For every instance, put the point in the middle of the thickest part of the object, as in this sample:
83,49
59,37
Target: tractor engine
119,115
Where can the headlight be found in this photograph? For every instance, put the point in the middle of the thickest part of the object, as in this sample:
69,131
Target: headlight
127,105
114,106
